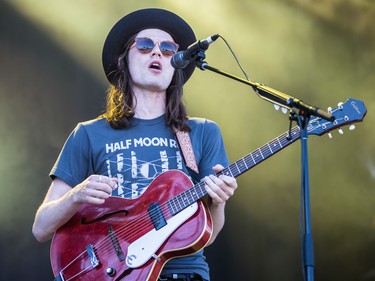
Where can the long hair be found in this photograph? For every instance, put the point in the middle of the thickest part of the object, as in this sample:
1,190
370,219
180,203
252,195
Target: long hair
120,101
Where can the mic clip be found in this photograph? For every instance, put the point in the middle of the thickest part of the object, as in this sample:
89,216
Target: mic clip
199,60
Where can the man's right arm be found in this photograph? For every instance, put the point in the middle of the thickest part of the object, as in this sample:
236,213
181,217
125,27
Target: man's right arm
62,202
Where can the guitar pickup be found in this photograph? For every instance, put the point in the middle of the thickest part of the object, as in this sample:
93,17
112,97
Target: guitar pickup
156,216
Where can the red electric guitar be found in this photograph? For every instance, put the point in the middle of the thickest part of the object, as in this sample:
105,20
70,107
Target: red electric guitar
131,240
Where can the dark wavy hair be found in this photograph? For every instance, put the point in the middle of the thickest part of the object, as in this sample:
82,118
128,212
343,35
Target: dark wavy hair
120,97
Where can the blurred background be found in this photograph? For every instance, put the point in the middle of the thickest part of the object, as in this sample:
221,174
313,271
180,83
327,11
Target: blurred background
321,52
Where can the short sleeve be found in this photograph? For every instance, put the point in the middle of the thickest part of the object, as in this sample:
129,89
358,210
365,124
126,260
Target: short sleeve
74,163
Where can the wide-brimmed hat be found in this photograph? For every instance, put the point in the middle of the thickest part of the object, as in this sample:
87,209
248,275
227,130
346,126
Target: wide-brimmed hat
137,21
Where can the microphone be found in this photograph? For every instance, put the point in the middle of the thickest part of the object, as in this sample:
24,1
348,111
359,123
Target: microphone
182,58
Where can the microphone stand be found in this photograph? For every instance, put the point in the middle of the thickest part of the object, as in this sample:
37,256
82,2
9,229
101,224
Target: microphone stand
305,111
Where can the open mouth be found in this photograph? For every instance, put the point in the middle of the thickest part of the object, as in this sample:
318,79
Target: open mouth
155,65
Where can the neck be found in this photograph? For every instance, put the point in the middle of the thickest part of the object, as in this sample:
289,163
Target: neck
149,104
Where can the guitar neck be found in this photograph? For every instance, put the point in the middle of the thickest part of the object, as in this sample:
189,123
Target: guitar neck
236,169
262,153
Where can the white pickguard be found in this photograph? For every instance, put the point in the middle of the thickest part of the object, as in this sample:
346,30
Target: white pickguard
145,247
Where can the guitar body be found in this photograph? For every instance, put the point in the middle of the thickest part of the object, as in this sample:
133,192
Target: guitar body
118,240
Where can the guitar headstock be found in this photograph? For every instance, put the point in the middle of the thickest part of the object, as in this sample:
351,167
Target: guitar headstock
347,113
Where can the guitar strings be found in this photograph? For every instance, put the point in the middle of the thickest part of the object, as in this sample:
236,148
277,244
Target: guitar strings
129,231
145,224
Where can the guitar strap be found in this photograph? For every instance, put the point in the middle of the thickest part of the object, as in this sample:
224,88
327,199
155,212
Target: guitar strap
184,141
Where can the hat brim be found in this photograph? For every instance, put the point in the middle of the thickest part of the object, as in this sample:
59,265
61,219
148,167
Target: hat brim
137,21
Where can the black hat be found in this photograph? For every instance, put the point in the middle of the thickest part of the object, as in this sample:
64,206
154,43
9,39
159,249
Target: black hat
137,21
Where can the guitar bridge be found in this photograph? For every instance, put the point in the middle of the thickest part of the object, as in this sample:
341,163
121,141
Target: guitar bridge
115,243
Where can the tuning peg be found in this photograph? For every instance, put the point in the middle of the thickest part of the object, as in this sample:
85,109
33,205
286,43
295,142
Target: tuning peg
329,109
284,110
276,106
351,127
339,105
330,135
341,132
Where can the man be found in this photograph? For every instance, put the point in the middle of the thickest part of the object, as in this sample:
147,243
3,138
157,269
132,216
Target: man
121,152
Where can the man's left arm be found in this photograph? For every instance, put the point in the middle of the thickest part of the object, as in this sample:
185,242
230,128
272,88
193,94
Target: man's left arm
220,189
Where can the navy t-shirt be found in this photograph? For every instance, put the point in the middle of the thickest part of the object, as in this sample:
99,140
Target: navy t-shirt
136,156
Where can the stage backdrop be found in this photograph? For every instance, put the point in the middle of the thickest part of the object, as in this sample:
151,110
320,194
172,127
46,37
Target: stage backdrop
320,52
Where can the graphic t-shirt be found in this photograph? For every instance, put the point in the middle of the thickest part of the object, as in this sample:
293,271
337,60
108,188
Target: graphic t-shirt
136,156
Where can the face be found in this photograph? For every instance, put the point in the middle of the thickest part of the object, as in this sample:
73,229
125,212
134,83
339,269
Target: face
151,70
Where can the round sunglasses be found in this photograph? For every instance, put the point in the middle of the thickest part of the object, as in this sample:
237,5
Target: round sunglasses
146,45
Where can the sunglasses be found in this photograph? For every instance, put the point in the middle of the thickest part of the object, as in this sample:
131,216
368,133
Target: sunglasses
146,45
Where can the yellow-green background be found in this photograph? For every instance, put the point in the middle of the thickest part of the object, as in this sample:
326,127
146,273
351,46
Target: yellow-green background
319,51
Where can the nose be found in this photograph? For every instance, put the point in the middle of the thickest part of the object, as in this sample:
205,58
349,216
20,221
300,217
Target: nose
156,50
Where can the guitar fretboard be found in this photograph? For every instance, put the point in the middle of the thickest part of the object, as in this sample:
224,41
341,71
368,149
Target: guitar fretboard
196,192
